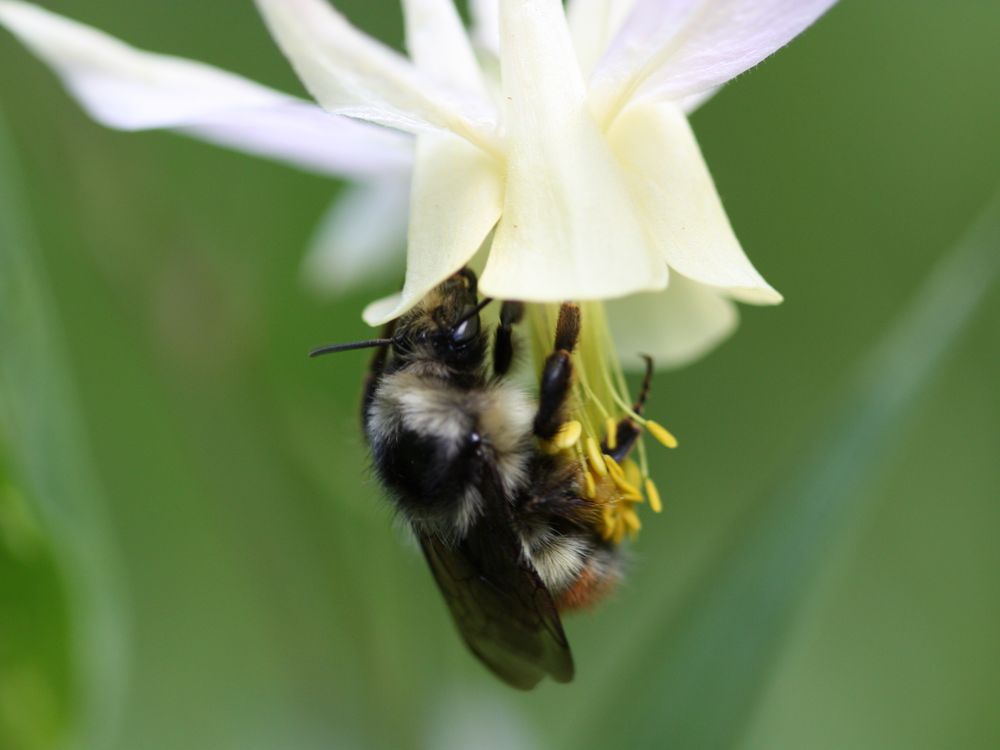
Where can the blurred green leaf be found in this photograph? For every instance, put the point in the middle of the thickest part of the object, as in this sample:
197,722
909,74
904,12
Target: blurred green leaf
62,668
718,652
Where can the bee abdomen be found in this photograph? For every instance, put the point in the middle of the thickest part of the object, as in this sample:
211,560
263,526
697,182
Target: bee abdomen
594,582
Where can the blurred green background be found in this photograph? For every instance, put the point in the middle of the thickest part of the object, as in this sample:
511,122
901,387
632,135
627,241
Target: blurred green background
191,554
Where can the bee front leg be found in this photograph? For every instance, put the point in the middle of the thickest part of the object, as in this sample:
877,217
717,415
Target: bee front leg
557,374
503,346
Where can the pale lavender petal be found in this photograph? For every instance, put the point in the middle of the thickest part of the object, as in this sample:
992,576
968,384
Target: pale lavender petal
353,74
129,89
361,238
671,49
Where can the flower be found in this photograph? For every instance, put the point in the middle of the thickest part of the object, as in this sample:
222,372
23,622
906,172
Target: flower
554,139
557,137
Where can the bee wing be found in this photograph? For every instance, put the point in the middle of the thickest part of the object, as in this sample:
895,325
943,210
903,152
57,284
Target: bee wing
499,604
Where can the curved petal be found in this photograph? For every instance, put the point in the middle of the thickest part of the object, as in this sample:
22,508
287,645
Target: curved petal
669,49
689,104
569,229
353,74
679,205
361,238
676,326
128,89
456,199
439,45
593,24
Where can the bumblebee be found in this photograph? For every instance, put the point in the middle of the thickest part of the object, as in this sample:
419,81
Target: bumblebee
465,455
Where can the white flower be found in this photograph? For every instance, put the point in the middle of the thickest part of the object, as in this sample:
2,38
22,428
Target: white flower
564,144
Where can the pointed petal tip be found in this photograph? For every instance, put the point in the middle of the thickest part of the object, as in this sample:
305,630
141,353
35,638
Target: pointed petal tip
381,311
757,295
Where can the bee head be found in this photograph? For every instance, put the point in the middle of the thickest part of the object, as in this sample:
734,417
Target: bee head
445,327
443,330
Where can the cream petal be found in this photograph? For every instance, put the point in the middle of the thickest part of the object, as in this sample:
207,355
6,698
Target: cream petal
456,200
486,25
361,238
679,205
569,229
439,45
593,24
670,49
689,104
676,326
353,74
128,89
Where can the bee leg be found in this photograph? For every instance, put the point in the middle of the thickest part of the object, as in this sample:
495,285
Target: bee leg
374,376
557,374
503,346
627,431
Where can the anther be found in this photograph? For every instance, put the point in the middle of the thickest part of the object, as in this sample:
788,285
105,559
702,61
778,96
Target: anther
661,433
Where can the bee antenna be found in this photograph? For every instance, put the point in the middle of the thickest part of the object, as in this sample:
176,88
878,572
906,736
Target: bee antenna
331,348
473,313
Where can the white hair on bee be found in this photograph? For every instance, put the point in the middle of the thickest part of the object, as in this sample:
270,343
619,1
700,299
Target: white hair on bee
558,558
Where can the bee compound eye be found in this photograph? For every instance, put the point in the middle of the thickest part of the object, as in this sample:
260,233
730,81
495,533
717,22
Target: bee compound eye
465,331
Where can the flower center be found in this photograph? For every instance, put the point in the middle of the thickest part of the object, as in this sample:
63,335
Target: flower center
605,429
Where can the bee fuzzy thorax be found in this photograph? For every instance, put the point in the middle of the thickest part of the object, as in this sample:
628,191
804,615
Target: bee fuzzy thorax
431,441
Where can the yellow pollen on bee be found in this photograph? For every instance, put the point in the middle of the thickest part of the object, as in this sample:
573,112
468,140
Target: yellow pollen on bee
568,435
612,428
608,517
596,458
661,433
654,496
618,475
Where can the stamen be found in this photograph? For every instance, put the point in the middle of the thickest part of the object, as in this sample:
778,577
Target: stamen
654,496
632,473
612,428
619,478
596,458
568,435
661,433
590,487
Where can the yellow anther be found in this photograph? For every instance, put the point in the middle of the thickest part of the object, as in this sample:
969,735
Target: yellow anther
633,475
590,487
613,468
661,433
654,496
596,458
612,427
568,434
